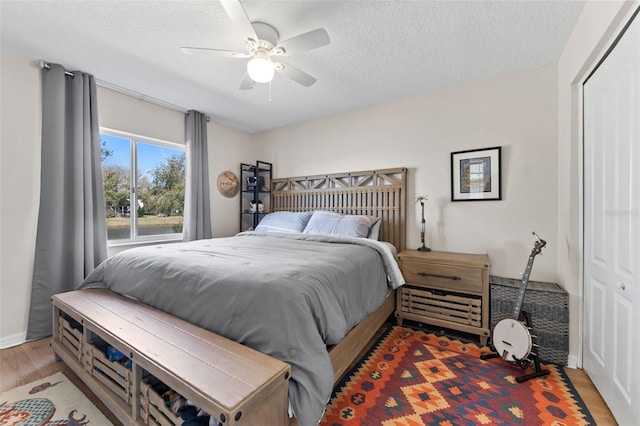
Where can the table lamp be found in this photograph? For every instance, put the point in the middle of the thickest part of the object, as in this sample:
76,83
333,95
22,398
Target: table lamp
421,199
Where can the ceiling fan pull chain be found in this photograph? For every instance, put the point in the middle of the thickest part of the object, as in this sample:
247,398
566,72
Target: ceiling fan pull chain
270,92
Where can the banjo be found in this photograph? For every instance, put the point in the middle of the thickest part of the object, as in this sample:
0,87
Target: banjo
512,339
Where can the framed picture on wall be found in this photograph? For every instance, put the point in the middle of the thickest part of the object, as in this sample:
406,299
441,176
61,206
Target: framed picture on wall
476,175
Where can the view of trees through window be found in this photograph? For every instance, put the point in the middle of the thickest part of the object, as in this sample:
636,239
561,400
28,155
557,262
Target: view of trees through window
143,184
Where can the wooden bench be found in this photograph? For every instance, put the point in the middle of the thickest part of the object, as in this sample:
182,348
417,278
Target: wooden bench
231,382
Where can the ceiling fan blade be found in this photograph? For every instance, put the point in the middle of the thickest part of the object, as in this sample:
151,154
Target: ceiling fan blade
201,51
246,83
303,42
239,17
295,74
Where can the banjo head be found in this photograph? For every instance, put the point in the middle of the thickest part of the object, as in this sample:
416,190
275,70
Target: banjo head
511,339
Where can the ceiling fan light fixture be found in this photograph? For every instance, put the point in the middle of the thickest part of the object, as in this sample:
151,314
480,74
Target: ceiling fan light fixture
260,68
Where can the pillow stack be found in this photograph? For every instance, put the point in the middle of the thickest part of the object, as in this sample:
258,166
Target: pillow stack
339,225
321,223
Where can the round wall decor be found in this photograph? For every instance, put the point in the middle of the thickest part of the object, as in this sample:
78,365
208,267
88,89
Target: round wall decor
228,184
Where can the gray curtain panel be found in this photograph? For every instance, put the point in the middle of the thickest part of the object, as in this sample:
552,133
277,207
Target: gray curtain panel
197,215
72,236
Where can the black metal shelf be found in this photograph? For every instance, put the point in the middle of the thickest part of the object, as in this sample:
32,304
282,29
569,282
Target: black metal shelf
261,170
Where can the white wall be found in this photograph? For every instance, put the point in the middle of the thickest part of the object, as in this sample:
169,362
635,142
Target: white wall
227,149
517,112
598,23
20,124
20,119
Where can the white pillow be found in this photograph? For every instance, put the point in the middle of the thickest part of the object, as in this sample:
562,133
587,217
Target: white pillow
287,222
339,225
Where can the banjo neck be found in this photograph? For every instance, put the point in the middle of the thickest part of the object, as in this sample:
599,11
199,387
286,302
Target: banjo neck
537,248
523,288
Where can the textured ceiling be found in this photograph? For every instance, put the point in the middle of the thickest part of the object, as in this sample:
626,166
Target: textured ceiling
379,51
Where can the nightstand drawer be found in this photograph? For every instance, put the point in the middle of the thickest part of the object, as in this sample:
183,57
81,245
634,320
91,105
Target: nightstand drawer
446,277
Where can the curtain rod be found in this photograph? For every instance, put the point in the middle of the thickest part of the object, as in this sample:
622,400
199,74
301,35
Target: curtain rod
43,64
131,93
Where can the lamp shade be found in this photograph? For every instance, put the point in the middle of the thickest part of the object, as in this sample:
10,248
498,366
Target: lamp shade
261,69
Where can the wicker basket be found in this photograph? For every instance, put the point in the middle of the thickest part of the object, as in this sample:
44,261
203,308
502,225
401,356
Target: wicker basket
548,305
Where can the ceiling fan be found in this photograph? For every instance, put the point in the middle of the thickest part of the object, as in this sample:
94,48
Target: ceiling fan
262,45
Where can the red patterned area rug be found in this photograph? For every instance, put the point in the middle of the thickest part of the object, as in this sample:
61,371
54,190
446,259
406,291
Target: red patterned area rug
411,377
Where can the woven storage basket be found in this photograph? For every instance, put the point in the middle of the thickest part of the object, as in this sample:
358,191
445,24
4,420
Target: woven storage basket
548,305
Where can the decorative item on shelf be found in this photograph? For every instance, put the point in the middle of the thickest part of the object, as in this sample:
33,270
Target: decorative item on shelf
256,206
421,199
255,181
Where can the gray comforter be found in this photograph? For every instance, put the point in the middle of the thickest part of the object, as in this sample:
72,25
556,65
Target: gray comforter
286,295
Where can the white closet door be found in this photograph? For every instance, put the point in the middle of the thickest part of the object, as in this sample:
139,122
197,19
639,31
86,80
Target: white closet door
611,342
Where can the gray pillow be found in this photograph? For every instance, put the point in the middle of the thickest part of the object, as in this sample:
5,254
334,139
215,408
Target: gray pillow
339,225
287,222
374,232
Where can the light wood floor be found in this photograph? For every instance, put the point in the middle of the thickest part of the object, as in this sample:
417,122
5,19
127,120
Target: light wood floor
34,360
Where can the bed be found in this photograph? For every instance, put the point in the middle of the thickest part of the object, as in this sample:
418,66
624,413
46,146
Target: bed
287,303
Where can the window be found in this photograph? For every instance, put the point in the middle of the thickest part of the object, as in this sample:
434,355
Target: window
143,185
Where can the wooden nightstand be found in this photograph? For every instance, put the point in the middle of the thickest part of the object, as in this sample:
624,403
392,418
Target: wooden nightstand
445,289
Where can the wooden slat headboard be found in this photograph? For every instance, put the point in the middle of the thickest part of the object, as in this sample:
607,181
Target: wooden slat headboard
380,193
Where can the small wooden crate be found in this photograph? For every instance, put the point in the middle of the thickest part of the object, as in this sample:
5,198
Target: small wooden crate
461,309
548,305
153,409
112,374
70,335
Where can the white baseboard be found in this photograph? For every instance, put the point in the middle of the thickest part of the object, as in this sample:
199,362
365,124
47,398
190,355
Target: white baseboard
13,340
572,361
